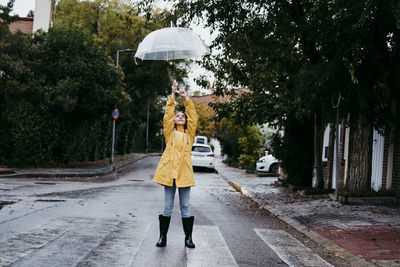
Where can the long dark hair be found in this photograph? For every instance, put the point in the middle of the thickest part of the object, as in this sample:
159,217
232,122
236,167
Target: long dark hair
186,119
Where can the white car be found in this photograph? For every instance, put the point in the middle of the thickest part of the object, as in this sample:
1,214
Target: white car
202,156
267,164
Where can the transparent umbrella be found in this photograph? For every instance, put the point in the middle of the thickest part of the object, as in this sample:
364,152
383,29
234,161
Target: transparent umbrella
170,44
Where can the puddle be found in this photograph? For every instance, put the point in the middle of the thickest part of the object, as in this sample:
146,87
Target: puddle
4,203
50,200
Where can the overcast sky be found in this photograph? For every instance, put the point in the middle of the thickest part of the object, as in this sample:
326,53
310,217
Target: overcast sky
22,7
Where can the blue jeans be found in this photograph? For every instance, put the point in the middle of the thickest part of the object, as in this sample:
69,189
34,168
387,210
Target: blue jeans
184,200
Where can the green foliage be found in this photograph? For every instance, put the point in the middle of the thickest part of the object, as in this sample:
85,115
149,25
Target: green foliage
121,25
205,123
251,145
295,158
296,55
58,89
5,17
242,144
18,83
56,100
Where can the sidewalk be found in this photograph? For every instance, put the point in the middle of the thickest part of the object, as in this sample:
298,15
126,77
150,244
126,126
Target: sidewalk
363,235
85,170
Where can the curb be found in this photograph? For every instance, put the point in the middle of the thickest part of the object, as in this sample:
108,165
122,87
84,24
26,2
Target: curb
337,250
96,173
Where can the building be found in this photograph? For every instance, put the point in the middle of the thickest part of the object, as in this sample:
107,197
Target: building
24,25
42,19
206,99
385,161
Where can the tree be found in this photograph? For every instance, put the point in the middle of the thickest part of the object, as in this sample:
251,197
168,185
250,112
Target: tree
295,55
120,25
205,124
18,80
242,144
56,97
5,13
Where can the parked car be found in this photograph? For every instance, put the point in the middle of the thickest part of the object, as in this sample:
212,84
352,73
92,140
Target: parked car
202,156
267,163
199,139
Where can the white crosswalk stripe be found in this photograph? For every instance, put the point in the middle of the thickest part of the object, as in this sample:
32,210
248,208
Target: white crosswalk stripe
211,249
289,249
105,242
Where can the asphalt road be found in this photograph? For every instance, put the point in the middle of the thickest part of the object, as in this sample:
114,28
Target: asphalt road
115,223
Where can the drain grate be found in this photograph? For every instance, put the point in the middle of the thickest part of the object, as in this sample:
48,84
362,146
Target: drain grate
133,180
45,183
4,203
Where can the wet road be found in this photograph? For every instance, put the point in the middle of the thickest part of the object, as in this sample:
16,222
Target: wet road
115,223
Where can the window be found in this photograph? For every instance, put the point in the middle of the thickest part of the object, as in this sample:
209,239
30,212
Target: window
201,149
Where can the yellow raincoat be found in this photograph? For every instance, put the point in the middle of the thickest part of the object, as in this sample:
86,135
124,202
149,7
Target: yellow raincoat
176,161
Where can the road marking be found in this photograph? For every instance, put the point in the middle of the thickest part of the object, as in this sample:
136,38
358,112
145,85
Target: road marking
103,242
211,248
289,249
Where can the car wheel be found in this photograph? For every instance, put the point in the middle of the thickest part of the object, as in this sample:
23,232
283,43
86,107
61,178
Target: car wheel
274,168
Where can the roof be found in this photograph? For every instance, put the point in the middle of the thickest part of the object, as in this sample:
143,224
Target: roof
206,99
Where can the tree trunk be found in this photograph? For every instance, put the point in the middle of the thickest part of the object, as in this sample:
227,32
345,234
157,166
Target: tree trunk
360,153
318,150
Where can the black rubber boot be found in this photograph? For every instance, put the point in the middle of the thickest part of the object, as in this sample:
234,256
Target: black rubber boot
164,225
188,229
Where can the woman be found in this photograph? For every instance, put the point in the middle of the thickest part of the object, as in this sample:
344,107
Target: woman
175,167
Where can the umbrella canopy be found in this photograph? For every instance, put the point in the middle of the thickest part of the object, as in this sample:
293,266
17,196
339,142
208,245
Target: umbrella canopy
172,43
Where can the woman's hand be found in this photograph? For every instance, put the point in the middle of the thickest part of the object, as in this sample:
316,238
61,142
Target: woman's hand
183,94
174,87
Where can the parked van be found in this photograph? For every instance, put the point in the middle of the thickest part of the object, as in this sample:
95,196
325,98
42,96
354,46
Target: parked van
199,139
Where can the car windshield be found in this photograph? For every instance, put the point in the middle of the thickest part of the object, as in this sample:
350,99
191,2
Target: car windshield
201,149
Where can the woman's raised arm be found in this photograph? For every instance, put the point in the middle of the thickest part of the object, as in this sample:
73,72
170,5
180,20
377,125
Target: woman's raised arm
169,114
191,114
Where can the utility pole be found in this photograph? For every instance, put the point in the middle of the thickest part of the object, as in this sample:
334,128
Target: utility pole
116,111
147,126
336,106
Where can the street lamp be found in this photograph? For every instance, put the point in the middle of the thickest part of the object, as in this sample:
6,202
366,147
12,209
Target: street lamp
123,51
113,130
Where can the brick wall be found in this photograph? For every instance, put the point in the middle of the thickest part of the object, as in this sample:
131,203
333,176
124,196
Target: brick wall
342,162
385,161
24,25
396,160
328,165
